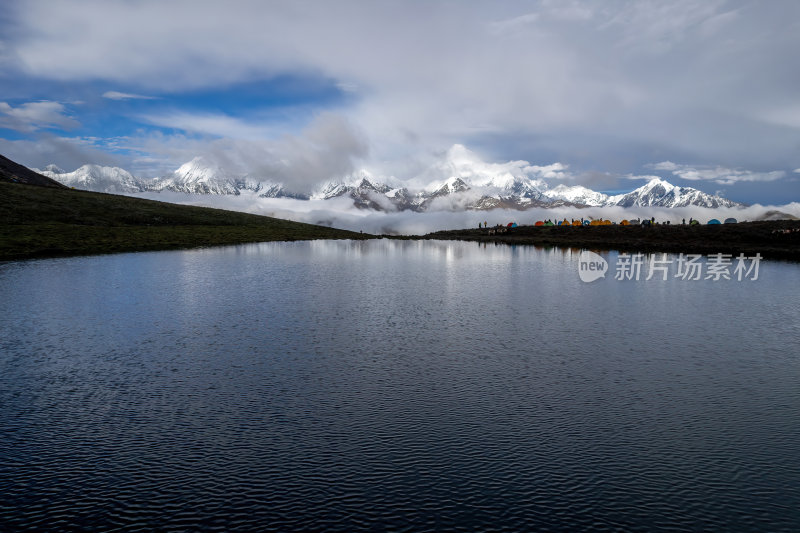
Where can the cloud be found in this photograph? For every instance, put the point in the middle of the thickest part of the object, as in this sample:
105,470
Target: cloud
721,175
341,213
327,148
581,82
503,26
215,124
459,161
66,152
116,95
32,116
347,87
642,177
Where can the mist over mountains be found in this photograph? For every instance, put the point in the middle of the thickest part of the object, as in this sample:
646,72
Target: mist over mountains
458,182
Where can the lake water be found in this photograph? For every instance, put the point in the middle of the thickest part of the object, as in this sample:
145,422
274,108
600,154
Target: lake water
398,385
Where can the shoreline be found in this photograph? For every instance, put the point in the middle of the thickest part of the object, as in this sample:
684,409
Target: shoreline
41,222
775,239
772,239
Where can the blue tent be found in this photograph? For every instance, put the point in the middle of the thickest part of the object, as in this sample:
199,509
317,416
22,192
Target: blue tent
713,221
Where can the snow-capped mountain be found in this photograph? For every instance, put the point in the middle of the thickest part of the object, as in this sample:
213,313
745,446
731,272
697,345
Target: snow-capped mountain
660,193
577,194
97,178
364,193
458,181
201,177
55,169
198,177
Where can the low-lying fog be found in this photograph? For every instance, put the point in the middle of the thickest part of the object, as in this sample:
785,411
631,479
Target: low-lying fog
341,213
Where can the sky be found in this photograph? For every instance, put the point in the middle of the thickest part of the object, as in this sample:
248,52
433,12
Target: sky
703,93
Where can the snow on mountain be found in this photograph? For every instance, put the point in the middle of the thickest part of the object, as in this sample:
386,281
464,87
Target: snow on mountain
462,169
660,193
97,178
365,193
577,194
198,177
458,181
452,185
201,177
55,169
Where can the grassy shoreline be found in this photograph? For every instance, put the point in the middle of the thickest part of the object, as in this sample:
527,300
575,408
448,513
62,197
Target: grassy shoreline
39,222
765,237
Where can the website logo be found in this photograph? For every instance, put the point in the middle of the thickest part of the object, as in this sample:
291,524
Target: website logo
591,266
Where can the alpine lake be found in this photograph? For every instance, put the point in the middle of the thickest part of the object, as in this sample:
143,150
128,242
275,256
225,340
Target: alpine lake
397,385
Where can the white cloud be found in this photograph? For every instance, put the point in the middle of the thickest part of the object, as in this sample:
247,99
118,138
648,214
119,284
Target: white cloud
32,116
116,95
642,177
459,161
721,175
347,87
341,213
327,148
556,171
214,124
503,26
594,80
66,152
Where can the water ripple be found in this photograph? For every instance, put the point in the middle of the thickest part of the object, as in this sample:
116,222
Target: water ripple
325,387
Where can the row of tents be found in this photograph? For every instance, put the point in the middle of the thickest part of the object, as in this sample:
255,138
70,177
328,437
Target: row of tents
605,222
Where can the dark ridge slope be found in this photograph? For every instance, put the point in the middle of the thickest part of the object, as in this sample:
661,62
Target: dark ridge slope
12,172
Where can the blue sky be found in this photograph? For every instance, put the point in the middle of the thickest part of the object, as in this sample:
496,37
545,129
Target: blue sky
700,92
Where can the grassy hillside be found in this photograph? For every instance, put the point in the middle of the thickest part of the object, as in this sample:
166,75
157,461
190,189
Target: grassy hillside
46,222
13,172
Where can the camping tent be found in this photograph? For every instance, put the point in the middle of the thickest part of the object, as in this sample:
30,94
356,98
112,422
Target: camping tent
713,221
539,223
730,221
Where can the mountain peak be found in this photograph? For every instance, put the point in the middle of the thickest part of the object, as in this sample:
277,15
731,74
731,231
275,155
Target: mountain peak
97,178
655,181
55,169
365,184
199,169
659,192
